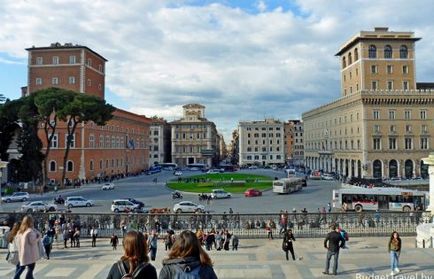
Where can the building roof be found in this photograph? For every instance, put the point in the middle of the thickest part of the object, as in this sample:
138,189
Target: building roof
193,106
380,34
66,46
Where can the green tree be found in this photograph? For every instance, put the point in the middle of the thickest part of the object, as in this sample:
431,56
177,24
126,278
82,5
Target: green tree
8,125
82,109
49,102
2,98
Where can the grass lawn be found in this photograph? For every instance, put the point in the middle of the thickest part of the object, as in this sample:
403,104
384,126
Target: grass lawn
241,182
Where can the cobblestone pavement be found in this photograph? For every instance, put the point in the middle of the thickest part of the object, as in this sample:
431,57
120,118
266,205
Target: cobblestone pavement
365,258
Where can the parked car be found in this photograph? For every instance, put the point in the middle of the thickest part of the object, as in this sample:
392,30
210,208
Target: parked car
123,206
188,206
138,203
252,193
17,196
220,194
108,186
252,167
76,201
177,173
327,176
38,206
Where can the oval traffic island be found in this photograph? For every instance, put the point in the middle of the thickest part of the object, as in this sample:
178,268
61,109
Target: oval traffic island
230,182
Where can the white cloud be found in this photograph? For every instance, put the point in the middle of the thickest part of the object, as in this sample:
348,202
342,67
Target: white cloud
240,64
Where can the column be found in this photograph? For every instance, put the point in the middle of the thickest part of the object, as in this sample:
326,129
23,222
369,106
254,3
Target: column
430,162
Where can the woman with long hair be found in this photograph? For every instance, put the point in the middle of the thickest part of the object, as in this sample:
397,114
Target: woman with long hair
135,260
394,251
187,256
27,240
12,247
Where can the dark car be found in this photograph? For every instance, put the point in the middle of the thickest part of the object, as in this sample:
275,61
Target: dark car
141,204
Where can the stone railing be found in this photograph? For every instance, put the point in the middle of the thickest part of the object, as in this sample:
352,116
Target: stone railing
243,225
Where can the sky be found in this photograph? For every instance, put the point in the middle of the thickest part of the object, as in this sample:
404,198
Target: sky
243,60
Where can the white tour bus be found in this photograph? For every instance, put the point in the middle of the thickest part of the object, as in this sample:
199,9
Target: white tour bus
393,199
287,185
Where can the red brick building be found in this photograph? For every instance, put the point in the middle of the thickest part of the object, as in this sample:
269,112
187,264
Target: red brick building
119,147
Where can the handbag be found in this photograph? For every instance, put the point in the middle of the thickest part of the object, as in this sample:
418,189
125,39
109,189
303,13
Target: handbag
12,255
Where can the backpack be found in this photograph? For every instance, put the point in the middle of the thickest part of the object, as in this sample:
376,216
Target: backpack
133,275
187,273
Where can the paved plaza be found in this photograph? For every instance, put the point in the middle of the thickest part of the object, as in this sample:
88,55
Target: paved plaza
258,258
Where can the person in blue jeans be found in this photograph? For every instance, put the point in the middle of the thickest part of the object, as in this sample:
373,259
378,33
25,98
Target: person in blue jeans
394,251
333,242
152,244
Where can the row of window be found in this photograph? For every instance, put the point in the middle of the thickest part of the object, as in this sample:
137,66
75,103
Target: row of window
52,167
389,85
318,134
189,149
263,157
104,142
190,135
328,145
263,149
263,128
408,143
191,126
57,81
372,53
264,135
423,114
408,129
72,59
263,142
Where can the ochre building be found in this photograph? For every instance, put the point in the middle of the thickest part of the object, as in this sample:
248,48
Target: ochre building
120,147
382,124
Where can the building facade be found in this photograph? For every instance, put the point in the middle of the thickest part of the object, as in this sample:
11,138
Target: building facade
261,142
294,147
194,138
159,142
381,126
120,147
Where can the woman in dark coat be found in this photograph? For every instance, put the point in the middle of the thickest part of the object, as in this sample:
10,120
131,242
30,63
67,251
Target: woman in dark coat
288,238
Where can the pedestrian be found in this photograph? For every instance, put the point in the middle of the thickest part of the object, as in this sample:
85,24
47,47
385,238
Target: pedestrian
94,235
210,240
27,240
76,237
332,243
329,207
135,261
235,242
65,235
269,230
12,256
394,247
218,241
152,244
187,259
47,241
226,240
287,245
114,241
168,240
71,236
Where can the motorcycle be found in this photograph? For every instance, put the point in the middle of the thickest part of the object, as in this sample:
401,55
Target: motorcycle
59,200
176,195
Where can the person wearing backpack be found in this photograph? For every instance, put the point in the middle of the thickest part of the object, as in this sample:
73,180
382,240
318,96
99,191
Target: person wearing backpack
187,260
134,264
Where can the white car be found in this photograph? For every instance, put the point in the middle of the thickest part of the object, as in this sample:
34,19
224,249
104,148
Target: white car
327,177
38,206
77,201
17,196
253,167
177,173
123,206
108,186
188,206
214,171
220,194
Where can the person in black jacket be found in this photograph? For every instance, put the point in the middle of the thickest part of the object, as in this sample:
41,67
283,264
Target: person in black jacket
288,238
332,243
135,260
187,256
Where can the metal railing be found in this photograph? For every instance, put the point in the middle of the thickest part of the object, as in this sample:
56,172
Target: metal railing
243,225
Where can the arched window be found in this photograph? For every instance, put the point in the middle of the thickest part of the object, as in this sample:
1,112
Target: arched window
387,52
91,165
69,166
344,62
372,51
52,166
403,52
356,54
350,59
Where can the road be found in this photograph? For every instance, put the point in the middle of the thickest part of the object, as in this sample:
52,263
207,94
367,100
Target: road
317,194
